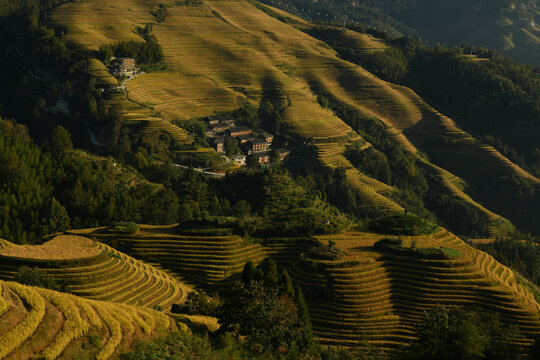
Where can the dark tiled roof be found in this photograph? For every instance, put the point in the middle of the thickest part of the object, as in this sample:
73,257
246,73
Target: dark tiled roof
257,142
240,129
266,135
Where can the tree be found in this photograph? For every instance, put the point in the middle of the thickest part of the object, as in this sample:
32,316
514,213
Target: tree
267,319
252,161
60,142
197,303
286,285
231,146
271,278
457,334
274,157
249,273
303,315
59,220
241,208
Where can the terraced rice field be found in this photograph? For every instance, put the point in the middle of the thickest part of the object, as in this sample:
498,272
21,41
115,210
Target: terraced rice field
40,323
444,182
97,22
139,116
366,292
200,257
180,97
95,271
383,295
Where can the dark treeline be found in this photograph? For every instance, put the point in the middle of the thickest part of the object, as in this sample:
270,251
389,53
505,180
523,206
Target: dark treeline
464,334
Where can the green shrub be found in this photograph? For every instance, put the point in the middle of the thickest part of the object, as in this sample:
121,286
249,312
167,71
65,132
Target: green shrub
395,246
33,277
126,228
197,303
404,224
451,253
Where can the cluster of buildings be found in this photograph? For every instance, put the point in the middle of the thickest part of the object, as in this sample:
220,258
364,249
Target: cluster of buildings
255,143
120,67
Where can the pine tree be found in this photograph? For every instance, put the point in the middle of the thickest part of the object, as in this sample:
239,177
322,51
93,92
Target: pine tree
303,315
59,220
286,285
60,141
271,278
249,273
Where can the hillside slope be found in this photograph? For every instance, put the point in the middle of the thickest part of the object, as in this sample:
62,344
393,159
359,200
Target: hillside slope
370,291
263,58
93,270
510,27
383,293
40,323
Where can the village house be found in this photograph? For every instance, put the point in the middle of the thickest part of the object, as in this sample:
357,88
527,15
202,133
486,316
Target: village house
123,67
262,158
239,130
214,119
219,128
239,159
269,138
258,145
219,144
244,138
283,153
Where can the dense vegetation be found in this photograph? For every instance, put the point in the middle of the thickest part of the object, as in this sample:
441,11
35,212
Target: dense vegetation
264,203
74,189
459,334
404,224
148,54
43,193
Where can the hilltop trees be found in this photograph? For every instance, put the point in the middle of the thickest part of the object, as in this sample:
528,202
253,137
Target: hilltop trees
458,334
268,320
268,311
